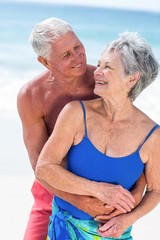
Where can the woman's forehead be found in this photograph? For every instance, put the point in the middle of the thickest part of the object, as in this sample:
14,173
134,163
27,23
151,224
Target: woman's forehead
110,55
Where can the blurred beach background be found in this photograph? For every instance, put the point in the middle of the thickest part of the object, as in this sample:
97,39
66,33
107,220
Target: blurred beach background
96,23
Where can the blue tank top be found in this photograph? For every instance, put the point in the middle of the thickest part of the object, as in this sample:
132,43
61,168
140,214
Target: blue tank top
86,161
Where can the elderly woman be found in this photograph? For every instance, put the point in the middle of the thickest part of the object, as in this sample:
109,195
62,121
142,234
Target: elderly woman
108,142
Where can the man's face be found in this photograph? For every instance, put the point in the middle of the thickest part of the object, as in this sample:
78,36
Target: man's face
68,58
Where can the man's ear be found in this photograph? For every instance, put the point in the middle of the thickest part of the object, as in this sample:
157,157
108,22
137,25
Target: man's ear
43,61
133,79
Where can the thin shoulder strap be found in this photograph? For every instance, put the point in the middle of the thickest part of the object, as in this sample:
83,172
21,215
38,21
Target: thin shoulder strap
84,113
149,134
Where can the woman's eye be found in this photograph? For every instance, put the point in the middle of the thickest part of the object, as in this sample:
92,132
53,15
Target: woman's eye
107,66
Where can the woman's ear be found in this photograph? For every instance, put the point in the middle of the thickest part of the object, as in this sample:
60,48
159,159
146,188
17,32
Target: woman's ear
43,61
133,79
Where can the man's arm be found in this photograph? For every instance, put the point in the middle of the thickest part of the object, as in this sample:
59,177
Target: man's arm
90,205
35,135
34,130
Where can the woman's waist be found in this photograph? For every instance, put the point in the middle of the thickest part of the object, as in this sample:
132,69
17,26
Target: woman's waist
74,211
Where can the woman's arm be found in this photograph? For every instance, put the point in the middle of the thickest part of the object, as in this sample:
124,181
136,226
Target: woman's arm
90,205
66,133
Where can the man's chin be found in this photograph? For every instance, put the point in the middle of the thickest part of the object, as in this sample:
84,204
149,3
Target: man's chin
79,72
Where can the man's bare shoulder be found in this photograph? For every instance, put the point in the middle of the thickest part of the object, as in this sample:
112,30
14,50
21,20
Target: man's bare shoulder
34,86
31,96
90,71
91,68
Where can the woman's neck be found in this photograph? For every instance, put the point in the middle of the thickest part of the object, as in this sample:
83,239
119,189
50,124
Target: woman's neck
118,110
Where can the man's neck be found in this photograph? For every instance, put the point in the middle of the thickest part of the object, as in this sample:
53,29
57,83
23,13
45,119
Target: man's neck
70,83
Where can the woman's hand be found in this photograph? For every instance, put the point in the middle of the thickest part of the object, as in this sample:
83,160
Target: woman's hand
115,196
115,227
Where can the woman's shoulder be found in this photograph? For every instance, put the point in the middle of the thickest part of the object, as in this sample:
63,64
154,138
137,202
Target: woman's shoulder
77,104
151,127
73,109
76,108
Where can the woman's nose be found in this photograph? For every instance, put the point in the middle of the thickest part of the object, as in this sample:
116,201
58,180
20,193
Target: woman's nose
98,71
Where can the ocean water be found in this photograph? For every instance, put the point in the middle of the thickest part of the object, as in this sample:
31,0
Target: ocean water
94,26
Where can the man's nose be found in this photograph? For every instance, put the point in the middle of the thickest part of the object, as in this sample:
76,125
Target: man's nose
75,56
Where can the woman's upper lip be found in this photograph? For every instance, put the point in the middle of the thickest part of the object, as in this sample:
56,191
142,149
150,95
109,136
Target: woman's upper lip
99,81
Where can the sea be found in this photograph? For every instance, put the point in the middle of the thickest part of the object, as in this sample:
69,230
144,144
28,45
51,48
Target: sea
96,27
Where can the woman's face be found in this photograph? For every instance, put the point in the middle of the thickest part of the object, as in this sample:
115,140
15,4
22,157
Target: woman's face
109,76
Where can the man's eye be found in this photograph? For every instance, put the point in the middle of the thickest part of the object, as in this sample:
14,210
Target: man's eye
76,47
66,54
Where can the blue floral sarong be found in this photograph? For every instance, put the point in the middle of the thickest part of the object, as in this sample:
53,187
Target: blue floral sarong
63,226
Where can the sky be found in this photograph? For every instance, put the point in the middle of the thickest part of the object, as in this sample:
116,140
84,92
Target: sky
148,5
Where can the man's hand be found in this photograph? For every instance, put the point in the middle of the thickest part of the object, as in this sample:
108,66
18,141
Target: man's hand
94,206
90,205
105,217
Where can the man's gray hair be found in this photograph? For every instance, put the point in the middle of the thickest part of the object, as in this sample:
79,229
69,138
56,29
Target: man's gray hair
137,56
45,33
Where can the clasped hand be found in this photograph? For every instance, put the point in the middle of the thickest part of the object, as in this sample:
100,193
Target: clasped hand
115,196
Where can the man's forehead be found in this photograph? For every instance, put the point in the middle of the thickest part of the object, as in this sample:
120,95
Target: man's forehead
65,43
67,39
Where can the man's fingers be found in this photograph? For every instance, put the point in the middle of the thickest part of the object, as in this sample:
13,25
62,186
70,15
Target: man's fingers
102,218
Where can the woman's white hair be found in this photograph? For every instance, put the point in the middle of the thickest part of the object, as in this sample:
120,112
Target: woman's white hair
45,33
137,56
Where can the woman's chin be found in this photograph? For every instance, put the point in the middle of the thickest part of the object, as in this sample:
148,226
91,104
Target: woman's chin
98,91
